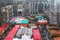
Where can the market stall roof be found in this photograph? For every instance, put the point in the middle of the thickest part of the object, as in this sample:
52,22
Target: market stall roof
42,20
22,21
40,17
19,20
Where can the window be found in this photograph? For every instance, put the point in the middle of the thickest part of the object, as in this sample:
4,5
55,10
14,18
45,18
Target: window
20,2
40,8
36,12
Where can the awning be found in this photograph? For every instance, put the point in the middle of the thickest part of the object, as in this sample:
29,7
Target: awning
22,21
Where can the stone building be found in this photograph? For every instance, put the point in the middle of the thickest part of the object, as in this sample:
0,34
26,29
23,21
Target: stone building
7,12
37,7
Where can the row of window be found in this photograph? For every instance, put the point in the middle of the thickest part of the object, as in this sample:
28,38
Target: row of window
33,12
40,7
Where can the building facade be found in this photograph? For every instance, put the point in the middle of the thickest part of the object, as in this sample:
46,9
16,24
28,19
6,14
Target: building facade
58,12
19,5
7,13
36,7
9,2
53,14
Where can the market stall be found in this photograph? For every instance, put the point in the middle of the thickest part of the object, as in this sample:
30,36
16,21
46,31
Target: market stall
3,28
42,20
19,20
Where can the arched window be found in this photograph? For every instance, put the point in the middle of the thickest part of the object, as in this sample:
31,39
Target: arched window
40,8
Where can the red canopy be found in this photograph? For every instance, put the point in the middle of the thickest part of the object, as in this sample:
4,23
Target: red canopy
3,27
42,22
36,34
12,33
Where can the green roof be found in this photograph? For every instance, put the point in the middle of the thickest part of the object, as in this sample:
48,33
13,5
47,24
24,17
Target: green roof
41,17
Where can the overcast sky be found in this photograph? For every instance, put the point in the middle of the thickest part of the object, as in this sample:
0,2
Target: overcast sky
58,1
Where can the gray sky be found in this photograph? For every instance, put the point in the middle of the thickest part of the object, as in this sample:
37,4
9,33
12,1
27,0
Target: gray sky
58,1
